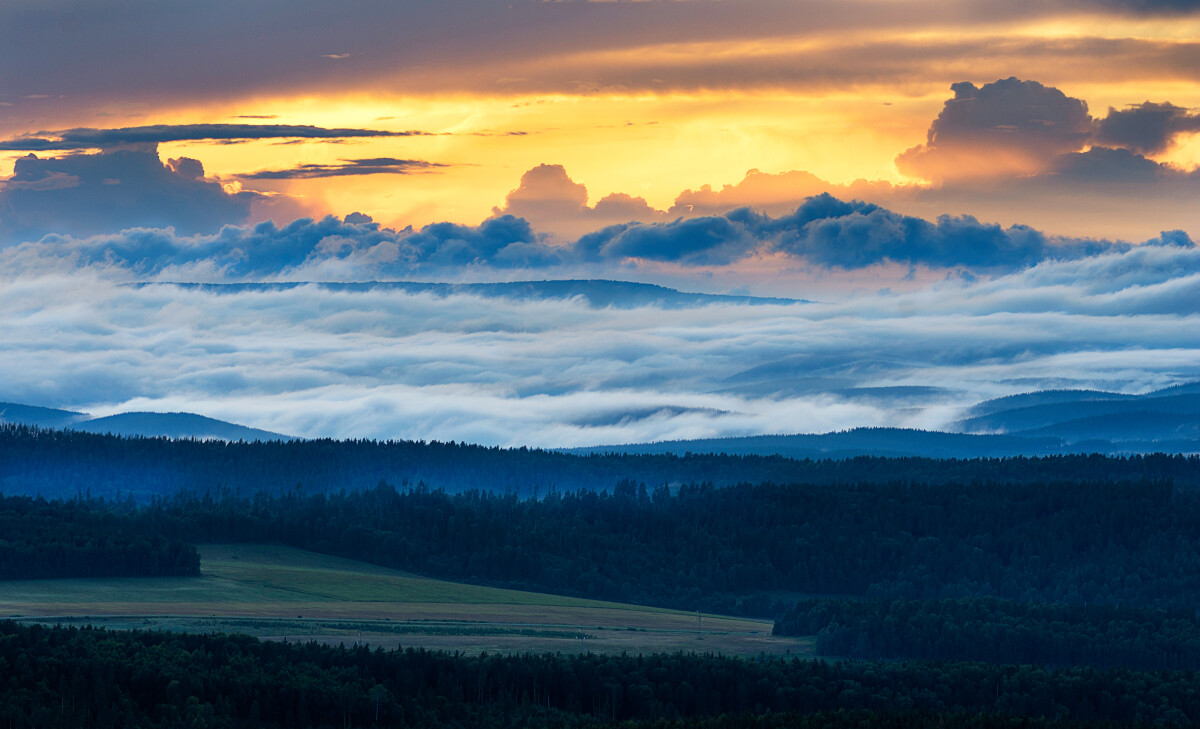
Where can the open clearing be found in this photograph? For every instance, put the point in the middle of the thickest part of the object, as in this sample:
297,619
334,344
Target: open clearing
279,592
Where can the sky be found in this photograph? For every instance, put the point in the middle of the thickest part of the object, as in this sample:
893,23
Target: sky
973,199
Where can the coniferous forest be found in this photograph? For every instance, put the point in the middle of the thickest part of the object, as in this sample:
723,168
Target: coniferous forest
1034,592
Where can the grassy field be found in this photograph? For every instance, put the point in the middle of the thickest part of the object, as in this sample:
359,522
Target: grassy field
278,592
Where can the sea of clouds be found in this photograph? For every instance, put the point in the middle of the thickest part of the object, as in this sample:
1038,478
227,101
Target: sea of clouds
93,331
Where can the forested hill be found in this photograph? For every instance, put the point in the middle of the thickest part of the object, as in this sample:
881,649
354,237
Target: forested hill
55,463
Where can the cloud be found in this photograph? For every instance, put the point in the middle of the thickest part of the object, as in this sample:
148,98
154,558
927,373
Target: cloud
716,240
827,232
348,167
88,138
757,189
1103,165
504,242
85,194
1002,128
553,202
1146,128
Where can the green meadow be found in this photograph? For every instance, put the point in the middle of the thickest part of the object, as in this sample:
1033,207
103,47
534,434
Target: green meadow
279,592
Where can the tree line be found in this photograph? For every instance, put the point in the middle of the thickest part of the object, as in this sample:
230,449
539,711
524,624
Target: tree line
998,631
63,464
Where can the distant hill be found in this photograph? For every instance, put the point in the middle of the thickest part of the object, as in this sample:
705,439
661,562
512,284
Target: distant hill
884,442
11,412
1047,422
166,425
599,293
1043,398
1171,414
175,425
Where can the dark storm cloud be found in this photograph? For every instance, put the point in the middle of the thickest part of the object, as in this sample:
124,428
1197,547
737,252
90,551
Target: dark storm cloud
86,194
89,138
348,167
1146,128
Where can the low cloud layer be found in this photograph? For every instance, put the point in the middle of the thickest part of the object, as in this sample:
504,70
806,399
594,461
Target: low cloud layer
377,362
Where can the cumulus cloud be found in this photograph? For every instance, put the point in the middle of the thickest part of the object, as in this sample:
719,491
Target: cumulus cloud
380,362
347,168
1004,127
85,194
1021,129
90,138
553,202
757,189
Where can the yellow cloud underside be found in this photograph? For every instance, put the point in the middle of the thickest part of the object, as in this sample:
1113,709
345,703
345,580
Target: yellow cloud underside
648,145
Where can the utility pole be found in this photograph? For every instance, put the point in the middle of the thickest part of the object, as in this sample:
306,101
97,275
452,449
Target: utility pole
699,632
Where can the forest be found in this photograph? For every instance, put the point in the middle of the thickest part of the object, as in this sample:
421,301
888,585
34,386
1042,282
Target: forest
998,631
736,549
69,677
40,539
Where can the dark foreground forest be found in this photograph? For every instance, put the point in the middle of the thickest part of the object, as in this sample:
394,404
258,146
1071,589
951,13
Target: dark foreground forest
1055,591
60,677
